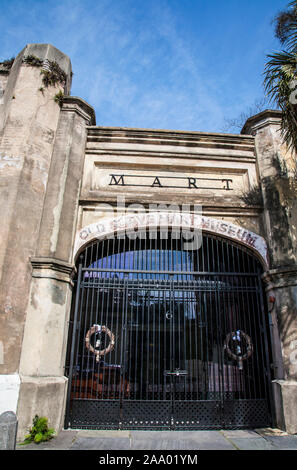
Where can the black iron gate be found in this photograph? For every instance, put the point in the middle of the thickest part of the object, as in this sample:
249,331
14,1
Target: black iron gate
163,338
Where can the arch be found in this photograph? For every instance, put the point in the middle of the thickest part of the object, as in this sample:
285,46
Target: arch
109,226
160,336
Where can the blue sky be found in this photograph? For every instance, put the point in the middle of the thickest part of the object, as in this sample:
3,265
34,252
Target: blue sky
166,64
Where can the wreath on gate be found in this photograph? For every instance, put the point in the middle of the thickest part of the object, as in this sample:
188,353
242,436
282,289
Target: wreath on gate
236,337
99,352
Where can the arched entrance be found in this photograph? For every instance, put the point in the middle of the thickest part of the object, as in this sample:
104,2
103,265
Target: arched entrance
167,338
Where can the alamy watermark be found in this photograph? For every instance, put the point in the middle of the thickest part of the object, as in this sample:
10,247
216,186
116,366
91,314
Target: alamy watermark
293,94
155,220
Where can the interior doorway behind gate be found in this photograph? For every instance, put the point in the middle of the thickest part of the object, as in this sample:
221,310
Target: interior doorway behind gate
167,338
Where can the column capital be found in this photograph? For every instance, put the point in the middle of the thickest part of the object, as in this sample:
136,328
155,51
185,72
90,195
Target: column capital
81,107
283,276
51,268
258,121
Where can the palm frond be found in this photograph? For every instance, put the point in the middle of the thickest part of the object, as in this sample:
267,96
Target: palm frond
280,73
286,27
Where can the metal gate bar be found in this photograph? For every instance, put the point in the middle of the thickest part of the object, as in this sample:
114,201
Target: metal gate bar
165,338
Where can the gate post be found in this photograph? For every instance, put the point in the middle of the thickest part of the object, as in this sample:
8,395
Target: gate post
277,172
43,383
29,118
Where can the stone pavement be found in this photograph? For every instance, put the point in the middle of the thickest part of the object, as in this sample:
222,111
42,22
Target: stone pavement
259,439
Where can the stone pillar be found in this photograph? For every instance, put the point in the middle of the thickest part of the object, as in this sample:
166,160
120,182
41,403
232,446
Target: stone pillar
43,384
277,174
29,119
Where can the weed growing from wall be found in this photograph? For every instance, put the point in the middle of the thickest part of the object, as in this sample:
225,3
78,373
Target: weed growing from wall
51,72
39,432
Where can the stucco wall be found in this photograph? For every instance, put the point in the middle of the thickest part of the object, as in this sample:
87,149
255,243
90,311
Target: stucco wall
60,175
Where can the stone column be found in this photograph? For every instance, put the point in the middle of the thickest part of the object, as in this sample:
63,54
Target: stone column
277,174
43,384
29,119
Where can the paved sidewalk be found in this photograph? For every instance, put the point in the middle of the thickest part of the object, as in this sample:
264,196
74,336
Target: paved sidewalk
260,439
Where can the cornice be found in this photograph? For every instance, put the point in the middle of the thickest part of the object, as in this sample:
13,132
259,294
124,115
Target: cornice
169,138
263,119
284,276
74,103
51,268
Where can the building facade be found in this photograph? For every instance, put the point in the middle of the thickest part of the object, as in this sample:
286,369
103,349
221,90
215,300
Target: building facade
148,277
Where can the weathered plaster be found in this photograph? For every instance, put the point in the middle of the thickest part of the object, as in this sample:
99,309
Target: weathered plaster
55,167
58,208
28,123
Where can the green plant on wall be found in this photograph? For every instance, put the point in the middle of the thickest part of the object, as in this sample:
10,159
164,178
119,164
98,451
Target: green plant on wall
40,432
51,72
33,60
59,98
8,63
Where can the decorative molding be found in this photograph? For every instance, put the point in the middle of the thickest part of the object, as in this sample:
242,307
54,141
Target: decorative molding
285,276
73,103
50,268
263,119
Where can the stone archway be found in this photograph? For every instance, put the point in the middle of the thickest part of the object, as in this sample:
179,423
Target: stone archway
108,226
197,304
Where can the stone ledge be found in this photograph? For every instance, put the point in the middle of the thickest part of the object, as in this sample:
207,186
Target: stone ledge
74,103
43,379
284,276
51,268
172,134
265,118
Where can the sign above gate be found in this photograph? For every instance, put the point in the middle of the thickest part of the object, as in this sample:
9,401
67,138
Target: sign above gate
187,180
176,182
109,226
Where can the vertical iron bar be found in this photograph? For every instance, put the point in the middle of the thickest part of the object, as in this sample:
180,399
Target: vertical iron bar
206,365
109,323
224,333
195,312
247,323
268,393
73,344
91,361
84,354
257,342
123,355
160,384
146,301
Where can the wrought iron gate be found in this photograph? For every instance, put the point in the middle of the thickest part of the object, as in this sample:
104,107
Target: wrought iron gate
163,338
